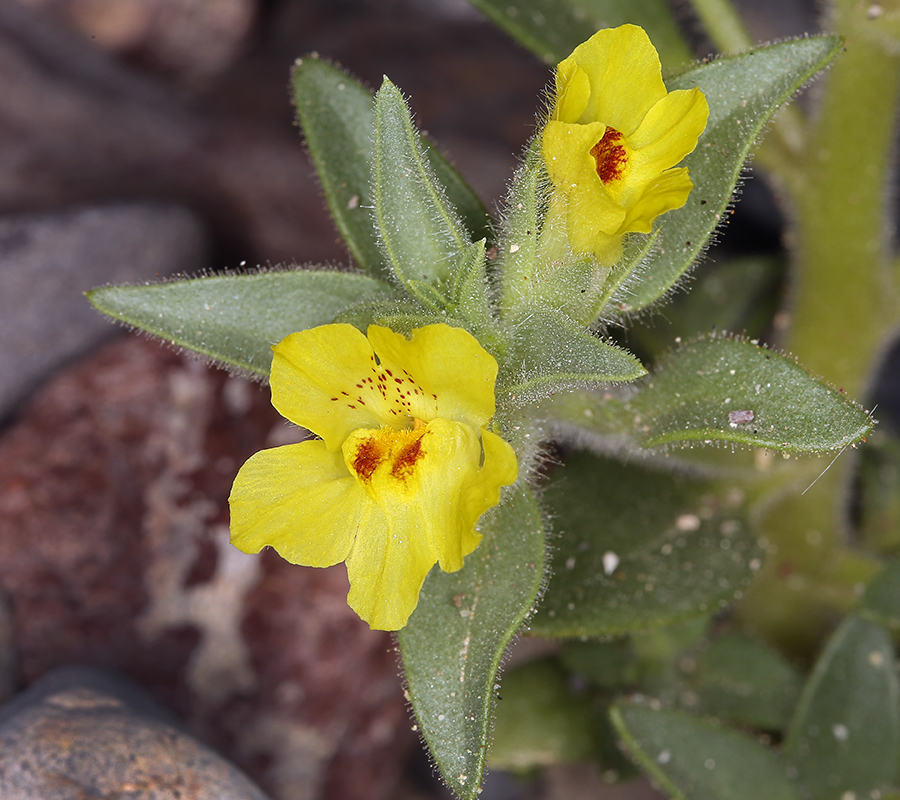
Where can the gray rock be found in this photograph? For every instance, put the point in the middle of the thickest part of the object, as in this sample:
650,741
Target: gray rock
80,733
47,262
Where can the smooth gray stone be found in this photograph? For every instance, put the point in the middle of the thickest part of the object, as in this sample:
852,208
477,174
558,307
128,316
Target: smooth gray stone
81,733
48,261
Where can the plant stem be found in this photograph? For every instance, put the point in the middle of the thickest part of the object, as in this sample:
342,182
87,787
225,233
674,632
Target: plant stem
843,302
723,24
809,574
843,289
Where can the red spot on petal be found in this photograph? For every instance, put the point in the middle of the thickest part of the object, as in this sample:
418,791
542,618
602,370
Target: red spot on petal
368,457
610,155
405,462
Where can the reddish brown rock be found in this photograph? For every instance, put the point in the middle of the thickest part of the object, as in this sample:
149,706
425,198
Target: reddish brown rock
114,553
78,733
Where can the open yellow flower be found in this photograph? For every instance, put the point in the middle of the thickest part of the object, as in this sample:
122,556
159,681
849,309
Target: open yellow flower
403,470
614,138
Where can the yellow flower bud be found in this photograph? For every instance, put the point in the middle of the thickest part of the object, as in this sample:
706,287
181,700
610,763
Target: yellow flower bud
613,139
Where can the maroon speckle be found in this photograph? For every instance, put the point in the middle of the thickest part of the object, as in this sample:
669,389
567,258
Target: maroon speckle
610,155
406,461
366,460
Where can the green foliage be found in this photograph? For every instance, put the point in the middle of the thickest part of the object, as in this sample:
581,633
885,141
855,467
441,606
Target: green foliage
693,759
652,551
540,719
551,29
741,680
881,602
845,734
879,472
721,390
620,566
235,319
422,235
337,115
550,354
842,737
743,92
458,633
727,294
733,678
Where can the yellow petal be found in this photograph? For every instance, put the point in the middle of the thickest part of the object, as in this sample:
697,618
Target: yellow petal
668,133
327,380
605,248
386,571
590,230
625,77
567,152
573,90
455,373
611,164
591,208
478,494
668,192
299,499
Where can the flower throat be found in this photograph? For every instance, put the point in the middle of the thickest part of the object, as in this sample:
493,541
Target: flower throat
610,155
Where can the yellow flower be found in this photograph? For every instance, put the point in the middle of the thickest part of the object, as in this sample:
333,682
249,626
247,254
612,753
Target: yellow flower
614,138
403,470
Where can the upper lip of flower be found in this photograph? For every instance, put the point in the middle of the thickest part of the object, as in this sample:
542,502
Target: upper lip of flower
384,379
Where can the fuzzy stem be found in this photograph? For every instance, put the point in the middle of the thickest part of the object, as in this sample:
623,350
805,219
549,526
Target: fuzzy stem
843,301
723,24
843,291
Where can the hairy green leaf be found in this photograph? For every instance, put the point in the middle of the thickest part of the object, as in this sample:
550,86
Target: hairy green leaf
470,293
845,735
743,92
552,354
235,319
744,681
638,549
879,480
734,391
540,719
337,116
722,390
696,760
733,294
881,601
458,633
517,256
551,29
422,235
